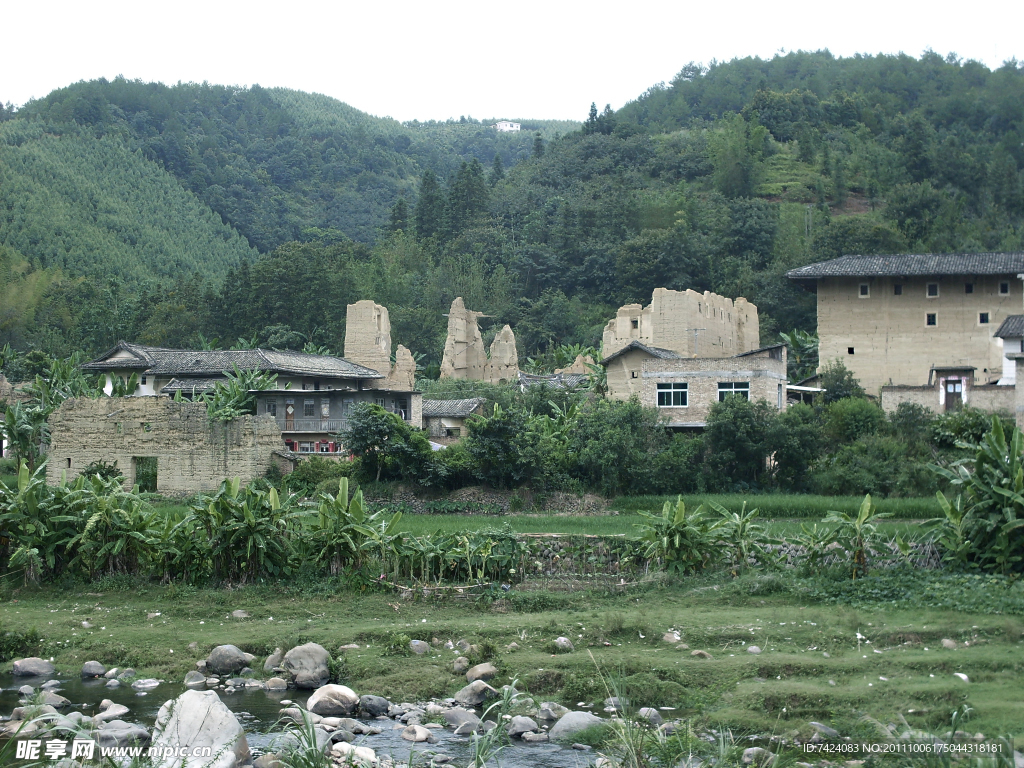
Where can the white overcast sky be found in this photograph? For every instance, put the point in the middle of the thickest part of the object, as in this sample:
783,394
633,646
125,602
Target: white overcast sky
496,58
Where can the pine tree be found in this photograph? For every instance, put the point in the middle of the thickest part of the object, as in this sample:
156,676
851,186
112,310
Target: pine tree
591,125
468,197
538,145
497,171
399,220
429,214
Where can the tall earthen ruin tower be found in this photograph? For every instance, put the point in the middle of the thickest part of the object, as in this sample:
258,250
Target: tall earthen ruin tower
464,353
686,322
368,343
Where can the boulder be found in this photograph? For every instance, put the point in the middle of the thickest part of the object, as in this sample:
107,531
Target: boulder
195,679
111,673
475,694
824,730
753,649
702,655
54,700
615,704
239,614
112,684
672,636
146,684
33,667
463,645
273,661
572,723
521,725
333,700
564,644
460,665
200,719
289,741
416,733
26,690
459,717
308,665
949,644
93,669
373,706
532,738
276,684
118,733
51,684
651,715
757,756
126,675
225,660
485,672
111,712
419,647
359,755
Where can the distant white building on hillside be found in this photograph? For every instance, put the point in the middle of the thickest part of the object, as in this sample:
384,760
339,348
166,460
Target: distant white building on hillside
506,126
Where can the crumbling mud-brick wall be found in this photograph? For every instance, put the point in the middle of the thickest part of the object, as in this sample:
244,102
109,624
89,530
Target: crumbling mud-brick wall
465,356
686,322
192,453
368,343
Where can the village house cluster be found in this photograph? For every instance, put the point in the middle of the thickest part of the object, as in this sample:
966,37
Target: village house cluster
937,330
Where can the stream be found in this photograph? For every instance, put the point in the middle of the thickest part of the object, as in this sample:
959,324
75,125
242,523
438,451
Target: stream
257,711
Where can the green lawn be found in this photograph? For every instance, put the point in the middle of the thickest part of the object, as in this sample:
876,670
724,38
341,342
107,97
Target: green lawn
784,505
903,670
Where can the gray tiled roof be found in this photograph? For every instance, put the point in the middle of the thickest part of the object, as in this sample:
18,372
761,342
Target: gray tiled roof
555,380
453,408
760,349
205,363
658,352
1012,328
907,265
190,385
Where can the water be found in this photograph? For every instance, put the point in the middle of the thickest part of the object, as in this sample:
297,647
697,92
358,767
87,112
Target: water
257,711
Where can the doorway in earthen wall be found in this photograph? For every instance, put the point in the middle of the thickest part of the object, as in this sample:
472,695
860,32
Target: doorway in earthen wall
145,470
954,394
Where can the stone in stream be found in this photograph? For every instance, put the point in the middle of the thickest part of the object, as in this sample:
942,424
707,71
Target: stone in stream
33,667
54,700
110,712
226,660
118,733
532,738
521,725
276,684
757,756
308,665
26,690
572,723
200,719
374,706
93,669
194,679
651,715
112,684
146,684
333,700
273,661
475,694
457,718
111,673
362,755
416,733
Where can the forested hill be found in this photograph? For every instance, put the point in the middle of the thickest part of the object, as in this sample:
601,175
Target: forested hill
275,162
722,180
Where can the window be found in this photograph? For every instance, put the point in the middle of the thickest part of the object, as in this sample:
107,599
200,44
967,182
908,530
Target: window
305,448
849,350
635,374
635,323
865,290
983,318
142,380
325,447
308,408
968,287
726,388
781,401
897,290
673,395
933,290
325,408
931,319
379,401
272,407
1004,288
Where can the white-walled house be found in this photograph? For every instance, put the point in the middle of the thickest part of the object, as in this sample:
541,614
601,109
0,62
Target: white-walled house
506,126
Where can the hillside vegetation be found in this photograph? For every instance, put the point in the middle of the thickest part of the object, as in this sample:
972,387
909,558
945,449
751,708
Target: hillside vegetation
721,180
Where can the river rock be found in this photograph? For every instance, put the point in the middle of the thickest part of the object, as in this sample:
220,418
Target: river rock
269,760
226,660
118,733
614,704
54,700
26,690
93,669
651,715
460,665
458,717
373,706
194,679
111,673
416,733
308,665
485,672
475,694
126,675
419,647
111,712
463,645
564,644
146,684
288,742
112,684
532,738
200,719
824,730
51,685
949,644
273,661
33,667
520,725
757,756
550,710
333,700
362,755
299,716
276,684
572,723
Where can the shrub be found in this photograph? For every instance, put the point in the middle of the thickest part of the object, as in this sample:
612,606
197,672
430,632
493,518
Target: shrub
838,382
311,472
964,425
874,464
852,418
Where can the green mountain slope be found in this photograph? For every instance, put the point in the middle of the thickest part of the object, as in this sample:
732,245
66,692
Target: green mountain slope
90,206
274,162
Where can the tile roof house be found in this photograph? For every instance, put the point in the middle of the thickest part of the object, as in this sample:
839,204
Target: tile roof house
311,402
916,320
447,418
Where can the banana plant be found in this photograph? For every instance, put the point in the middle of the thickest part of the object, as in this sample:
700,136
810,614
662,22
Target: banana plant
684,541
742,536
857,534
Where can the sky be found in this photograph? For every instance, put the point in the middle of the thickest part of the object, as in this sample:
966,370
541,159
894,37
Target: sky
499,59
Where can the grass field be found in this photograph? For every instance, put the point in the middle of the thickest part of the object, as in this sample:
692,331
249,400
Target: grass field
788,505
813,667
